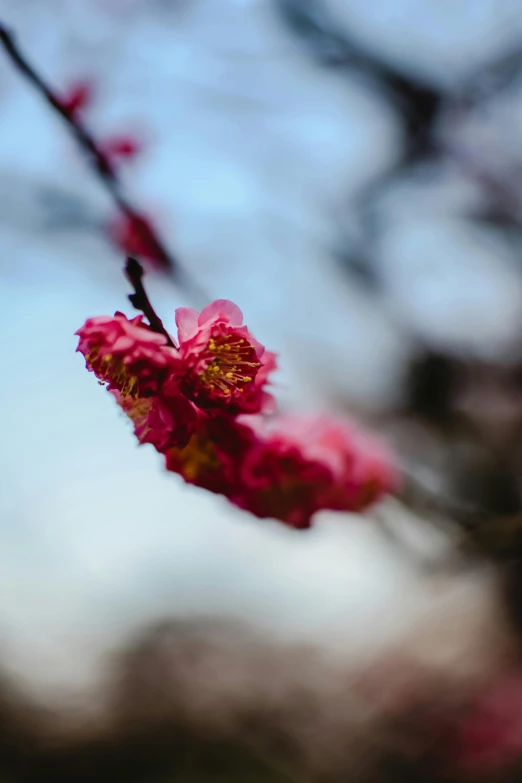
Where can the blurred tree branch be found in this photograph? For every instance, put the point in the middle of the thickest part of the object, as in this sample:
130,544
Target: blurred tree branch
103,169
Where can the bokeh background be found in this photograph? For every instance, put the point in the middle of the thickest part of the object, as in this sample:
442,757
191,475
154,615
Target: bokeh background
350,174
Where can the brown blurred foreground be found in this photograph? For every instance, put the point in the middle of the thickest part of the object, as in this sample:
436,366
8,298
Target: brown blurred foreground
214,701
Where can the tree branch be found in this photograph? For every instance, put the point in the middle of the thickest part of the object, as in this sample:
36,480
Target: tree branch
139,299
101,168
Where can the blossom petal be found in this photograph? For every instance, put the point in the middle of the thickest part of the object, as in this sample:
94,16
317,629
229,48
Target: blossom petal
123,343
221,307
187,322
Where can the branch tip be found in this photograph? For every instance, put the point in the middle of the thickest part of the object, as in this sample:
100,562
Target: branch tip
140,301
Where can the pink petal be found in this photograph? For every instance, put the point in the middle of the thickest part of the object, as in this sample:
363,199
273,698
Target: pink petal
187,323
123,343
221,307
136,321
145,336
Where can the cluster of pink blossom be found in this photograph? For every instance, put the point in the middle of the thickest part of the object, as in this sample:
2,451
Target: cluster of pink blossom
204,405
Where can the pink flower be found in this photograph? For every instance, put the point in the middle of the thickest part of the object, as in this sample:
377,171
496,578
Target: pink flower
362,466
211,458
197,404
287,468
278,481
220,360
163,421
125,354
299,465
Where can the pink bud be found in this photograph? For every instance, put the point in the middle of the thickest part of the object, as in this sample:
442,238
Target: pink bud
77,97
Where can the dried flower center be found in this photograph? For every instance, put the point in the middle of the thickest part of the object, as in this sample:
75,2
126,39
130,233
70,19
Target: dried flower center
233,362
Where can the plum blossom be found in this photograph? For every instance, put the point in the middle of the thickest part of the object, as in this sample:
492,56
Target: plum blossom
124,354
362,467
278,481
204,406
221,363
163,421
208,368
298,465
286,468
212,458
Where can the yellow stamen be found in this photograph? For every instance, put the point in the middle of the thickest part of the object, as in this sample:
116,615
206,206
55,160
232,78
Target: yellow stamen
226,370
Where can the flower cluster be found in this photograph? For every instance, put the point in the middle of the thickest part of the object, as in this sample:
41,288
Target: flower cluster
204,405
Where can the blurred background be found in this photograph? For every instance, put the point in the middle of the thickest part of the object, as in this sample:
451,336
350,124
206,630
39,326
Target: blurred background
350,174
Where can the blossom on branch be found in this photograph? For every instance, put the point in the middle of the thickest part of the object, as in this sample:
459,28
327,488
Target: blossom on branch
220,360
164,421
204,406
285,468
211,458
362,467
298,465
124,354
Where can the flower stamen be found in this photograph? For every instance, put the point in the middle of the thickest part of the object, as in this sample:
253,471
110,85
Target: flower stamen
110,370
230,364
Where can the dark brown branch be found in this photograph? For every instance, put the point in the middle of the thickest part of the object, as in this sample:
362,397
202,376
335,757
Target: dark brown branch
101,167
140,300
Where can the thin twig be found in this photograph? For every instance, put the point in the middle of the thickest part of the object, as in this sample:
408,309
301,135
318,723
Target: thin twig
102,168
139,299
